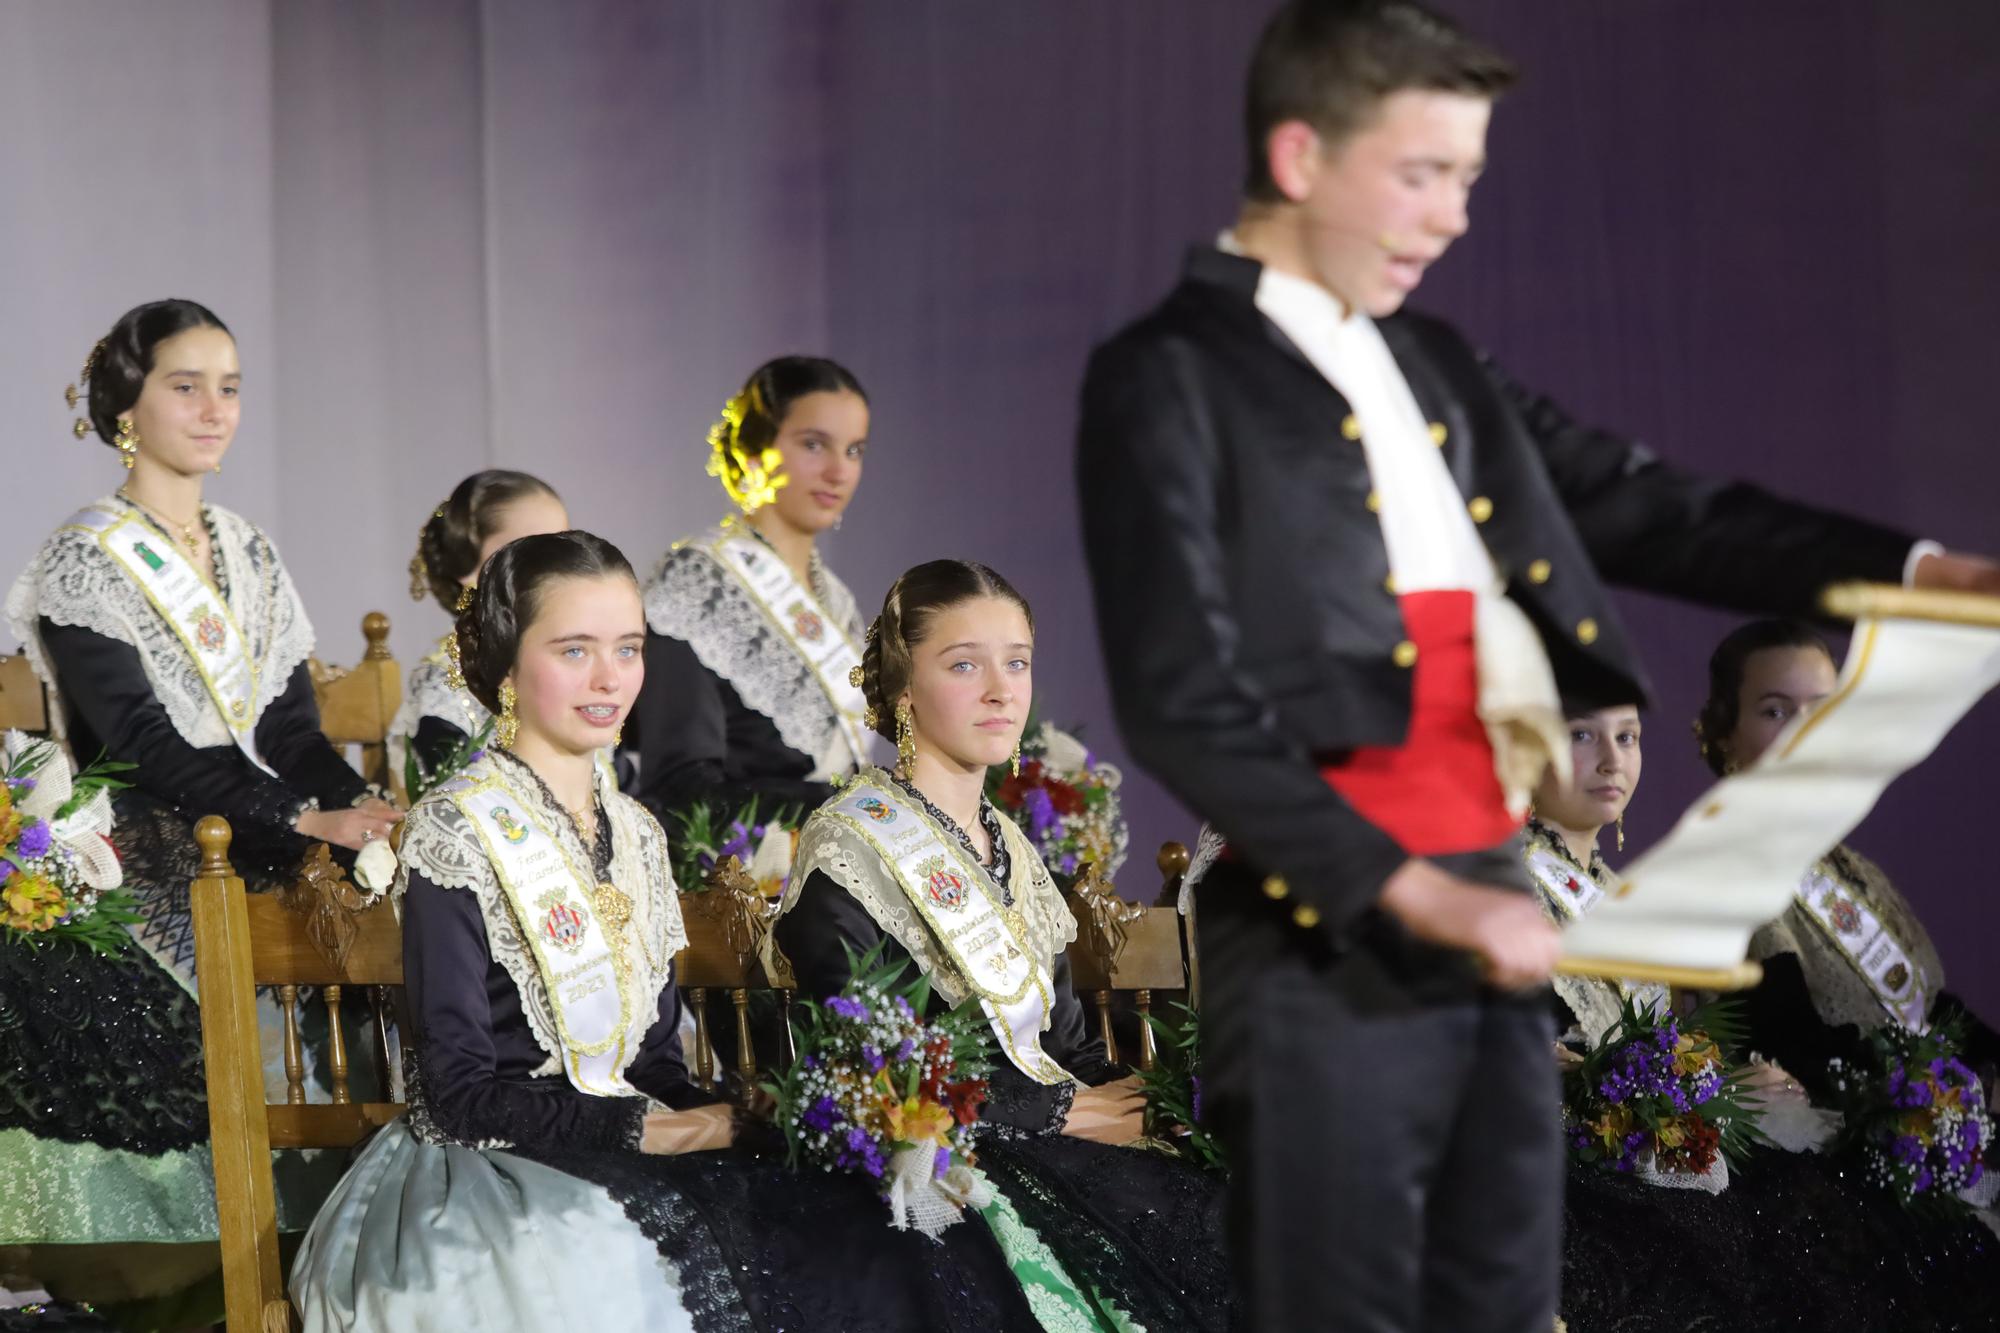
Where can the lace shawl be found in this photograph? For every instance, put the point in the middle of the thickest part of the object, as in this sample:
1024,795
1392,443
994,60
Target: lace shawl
1840,994
691,597
441,844
73,581
1596,1002
830,845
428,692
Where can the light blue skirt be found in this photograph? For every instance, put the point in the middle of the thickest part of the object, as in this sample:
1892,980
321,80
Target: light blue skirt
420,1236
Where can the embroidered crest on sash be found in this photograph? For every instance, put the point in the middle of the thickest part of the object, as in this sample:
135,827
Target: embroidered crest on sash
512,829
980,936
209,631
807,622
946,889
147,554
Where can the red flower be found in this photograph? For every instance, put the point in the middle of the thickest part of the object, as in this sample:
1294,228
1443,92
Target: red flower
1066,799
964,1098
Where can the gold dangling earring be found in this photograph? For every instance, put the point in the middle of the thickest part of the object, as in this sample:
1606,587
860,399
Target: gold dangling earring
127,442
509,726
1621,833
906,741
1017,759
218,467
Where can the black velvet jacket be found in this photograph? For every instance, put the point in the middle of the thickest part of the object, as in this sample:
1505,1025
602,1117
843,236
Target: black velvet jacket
109,707
698,741
1238,567
477,1055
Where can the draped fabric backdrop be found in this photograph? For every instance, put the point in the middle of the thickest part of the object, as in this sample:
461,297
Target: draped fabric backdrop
556,237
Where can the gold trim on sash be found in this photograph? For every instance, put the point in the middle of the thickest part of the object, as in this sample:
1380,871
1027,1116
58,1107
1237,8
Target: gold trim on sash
1841,914
197,613
557,907
803,623
985,941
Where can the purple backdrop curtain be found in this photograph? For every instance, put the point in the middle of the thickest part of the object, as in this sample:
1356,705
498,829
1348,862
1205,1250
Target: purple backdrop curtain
556,236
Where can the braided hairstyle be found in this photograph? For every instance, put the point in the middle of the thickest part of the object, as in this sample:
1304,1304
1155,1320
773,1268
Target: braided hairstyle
450,540
914,601
509,598
116,370
1723,708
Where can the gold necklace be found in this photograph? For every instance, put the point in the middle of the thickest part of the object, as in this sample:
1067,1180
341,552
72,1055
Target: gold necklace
186,538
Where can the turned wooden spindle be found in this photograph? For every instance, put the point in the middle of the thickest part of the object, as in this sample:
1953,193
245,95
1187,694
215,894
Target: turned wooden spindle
788,1051
704,1055
336,1045
1142,1000
295,1058
1101,1001
746,1050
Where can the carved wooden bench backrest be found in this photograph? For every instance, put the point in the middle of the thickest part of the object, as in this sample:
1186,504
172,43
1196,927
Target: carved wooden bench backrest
357,704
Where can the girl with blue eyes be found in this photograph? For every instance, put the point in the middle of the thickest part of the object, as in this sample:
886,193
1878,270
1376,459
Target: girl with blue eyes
751,636
948,676
540,924
170,638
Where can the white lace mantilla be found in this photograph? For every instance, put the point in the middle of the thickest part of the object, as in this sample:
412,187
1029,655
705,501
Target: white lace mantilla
73,581
690,596
428,692
829,844
440,844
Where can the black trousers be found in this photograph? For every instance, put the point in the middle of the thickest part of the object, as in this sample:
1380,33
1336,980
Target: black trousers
1392,1125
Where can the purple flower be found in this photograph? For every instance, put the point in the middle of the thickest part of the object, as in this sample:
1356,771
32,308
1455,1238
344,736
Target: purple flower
34,840
872,1058
848,1008
861,1153
21,786
940,1164
1194,1082
822,1115
1041,811
906,1049
738,845
903,1008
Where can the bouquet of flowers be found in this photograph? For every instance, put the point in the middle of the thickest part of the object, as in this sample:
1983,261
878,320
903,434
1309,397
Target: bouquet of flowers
1066,800
59,877
1916,1114
1658,1097
419,781
880,1092
761,846
1172,1089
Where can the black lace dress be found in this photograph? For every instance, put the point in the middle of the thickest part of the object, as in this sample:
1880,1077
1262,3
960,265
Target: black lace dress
1143,1228
103,1112
437,1227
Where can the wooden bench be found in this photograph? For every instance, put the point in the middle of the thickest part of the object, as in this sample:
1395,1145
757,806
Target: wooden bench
24,704
316,934
1122,946
321,935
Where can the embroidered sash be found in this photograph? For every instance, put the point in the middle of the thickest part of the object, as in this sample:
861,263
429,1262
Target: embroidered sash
984,940
198,615
581,962
1573,894
1867,942
817,637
